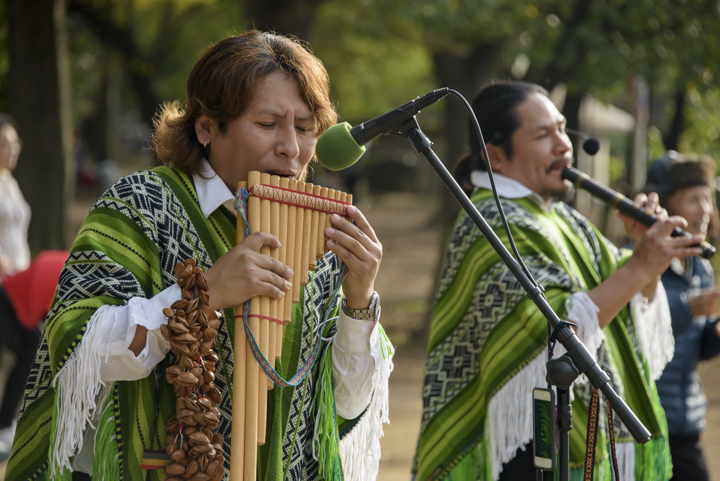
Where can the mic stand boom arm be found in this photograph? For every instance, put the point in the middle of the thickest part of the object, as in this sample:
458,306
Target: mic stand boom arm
576,350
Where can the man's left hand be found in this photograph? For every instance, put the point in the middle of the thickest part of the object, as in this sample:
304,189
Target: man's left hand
358,247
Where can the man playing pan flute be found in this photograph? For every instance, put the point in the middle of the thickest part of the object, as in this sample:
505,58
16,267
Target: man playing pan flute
98,400
488,342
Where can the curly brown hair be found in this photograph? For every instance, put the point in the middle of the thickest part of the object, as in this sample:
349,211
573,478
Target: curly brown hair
222,84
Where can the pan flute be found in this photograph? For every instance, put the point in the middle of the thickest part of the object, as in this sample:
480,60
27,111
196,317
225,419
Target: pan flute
297,213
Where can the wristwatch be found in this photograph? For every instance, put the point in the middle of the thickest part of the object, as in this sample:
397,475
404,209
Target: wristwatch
368,314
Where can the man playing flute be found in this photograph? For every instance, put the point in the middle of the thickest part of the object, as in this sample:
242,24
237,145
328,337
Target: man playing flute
98,400
488,341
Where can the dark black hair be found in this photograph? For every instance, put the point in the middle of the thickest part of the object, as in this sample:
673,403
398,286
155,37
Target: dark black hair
495,107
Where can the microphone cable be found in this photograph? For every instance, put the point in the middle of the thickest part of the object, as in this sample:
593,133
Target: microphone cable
486,158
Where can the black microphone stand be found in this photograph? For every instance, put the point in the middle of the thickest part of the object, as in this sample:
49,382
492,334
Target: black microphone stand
562,371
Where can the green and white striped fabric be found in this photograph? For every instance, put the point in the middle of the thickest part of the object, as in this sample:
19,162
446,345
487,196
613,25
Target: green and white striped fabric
127,247
488,347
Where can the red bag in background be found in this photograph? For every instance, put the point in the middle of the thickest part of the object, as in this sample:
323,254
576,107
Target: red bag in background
31,291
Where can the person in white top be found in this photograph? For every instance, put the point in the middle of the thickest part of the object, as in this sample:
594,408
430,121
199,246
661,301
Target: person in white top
14,210
256,101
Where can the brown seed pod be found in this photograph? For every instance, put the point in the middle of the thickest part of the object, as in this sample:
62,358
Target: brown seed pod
177,327
179,304
185,294
202,282
187,363
172,425
186,417
165,331
197,371
214,394
190,262
190,430
204,297
174,469
167,312
191,469
208,377
174,478
181,314
202,461
192,305
213,468
202,319
206,346
179,267
178,455
187,379
180,348
170,439
214,324
205,403
197,271
172,372
212,357
187,272
209,333
171,448
217,440
200,476
190,283
192,317
210,420
199,438
209,366
185,338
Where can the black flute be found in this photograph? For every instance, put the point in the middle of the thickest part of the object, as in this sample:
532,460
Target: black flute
623,204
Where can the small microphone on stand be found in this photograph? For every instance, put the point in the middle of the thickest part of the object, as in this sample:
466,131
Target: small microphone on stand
590,146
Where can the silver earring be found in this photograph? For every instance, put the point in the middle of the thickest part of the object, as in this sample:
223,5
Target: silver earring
205,144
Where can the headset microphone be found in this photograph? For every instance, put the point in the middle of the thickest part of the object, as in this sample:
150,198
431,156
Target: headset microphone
591,146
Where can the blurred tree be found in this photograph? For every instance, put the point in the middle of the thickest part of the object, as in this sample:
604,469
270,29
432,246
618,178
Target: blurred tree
290,17
38,97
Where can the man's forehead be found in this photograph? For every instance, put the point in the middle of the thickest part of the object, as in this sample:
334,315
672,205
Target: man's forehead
538,112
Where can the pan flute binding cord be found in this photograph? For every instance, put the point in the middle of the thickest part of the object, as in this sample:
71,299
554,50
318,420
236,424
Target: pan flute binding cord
241,199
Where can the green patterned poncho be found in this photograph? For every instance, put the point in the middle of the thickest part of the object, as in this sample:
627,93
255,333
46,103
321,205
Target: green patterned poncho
488,347
127,247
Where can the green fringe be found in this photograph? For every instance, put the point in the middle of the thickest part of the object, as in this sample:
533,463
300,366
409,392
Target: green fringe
653,461
106,459
326,426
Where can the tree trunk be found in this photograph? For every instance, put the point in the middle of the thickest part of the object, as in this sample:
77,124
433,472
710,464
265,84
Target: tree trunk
466,74
288,17
677,126
39,99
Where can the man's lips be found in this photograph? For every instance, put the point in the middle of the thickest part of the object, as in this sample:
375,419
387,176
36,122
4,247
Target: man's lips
559,164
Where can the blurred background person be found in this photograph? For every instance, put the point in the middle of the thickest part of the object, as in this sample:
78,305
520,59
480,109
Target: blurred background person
14,257
687,189
14,210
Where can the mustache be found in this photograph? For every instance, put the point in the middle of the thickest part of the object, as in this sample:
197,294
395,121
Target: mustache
555,164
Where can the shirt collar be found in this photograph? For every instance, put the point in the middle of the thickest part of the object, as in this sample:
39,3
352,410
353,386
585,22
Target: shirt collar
212,191
506,187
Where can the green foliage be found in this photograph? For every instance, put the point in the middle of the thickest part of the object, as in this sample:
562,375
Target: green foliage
703,123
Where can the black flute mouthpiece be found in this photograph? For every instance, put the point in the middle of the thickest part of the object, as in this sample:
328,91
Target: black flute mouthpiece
623,204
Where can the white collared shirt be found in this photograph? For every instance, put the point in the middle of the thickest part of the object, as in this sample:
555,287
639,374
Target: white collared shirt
506,187
355,348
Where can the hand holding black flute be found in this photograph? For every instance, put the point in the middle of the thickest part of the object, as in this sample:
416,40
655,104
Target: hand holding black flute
623,204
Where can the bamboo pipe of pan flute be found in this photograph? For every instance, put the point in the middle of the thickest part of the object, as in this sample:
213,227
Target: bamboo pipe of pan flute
284,254
307,240
251,366
274,303
264,322
293,216
237,433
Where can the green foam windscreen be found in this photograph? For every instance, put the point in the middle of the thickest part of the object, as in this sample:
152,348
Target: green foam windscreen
336,149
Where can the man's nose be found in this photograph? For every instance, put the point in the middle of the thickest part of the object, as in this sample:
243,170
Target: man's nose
287,144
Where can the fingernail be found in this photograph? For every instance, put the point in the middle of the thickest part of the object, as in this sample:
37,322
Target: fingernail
351,209
289,272
282,294
329,231
335,218
287,285
330,243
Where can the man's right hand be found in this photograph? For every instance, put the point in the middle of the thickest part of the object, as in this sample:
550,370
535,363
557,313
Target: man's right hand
243,273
